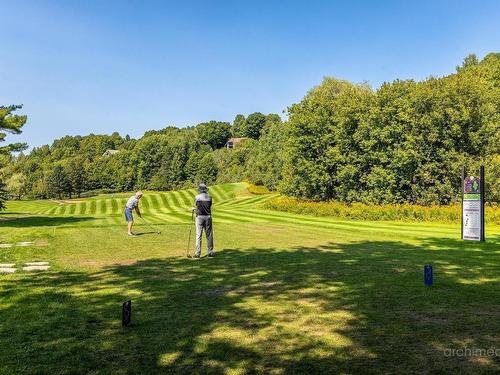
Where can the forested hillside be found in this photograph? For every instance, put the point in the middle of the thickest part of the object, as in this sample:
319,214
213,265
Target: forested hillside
402,143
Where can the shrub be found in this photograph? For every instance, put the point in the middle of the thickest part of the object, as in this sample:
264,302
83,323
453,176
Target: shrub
360,211
258,189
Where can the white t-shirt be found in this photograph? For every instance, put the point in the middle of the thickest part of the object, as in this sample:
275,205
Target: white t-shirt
132,202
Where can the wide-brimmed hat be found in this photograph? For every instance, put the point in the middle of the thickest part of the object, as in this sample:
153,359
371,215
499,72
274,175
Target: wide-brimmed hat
202,188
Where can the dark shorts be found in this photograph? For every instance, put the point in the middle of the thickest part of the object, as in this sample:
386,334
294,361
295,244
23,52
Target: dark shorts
128,215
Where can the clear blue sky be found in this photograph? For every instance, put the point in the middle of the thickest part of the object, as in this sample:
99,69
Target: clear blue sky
130,66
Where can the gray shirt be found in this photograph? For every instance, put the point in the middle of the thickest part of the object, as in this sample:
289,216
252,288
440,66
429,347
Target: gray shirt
132,202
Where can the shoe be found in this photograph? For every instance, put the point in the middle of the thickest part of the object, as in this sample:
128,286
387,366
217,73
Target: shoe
132,234
211,255
196,256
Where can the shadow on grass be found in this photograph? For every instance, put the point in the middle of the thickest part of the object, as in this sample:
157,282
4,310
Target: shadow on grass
146,233
356,308
43,221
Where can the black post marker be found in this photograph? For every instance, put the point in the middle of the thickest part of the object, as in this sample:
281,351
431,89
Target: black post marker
481,189
428,276
126,313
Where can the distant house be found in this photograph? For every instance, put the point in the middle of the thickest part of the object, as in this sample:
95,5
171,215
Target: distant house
232,142
109,153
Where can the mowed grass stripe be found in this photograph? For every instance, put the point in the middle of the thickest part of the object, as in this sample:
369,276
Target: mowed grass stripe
192,194
232,201
109,206
61,210
121,204
176,202
165,202
93,207
54,209
169,202
249,202
165,218
71,209
82,208
144,204
232,217
114,205
184,198
156,202
171,217
102,207
336,224
223,194
51,211
112,221
218,195
373,225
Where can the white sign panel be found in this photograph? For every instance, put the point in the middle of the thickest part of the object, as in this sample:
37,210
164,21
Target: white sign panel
471,209
472,220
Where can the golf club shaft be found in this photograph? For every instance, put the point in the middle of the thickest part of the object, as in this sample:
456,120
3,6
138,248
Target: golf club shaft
150,226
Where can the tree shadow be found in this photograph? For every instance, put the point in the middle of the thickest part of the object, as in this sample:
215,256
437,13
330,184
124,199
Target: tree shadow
146,233
43,221
355,308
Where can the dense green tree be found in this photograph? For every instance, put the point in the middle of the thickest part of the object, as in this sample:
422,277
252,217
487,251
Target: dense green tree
207,172
213,133
253,125
16,185
238,124
76,175
232,163
58,182
470,60
266,158
322,158
404,142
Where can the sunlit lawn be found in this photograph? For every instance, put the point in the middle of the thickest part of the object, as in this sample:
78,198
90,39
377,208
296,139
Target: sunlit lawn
311,295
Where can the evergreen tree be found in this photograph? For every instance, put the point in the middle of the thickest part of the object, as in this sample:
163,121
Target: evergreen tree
58,182
9,123
76,175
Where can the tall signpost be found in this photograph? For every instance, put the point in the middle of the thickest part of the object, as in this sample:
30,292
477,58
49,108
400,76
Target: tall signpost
473,206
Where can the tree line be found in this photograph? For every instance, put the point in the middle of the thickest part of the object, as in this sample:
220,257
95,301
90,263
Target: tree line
166,159
402,143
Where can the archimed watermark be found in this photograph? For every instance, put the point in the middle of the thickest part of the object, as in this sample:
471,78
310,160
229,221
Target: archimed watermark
472,352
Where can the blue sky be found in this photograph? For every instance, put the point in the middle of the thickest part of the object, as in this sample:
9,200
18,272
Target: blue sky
130,66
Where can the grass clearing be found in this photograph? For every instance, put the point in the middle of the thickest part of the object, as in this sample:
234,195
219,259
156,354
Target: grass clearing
286,293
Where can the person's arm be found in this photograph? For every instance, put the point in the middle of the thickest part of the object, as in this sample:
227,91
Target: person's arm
138,211
195,207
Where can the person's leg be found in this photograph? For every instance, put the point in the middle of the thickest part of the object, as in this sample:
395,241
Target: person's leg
199,232
130,220
210,235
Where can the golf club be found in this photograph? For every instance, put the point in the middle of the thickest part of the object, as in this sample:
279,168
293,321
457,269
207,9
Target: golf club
189,237
150,226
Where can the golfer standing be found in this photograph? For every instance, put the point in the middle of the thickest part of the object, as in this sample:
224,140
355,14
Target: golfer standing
132,204
203,209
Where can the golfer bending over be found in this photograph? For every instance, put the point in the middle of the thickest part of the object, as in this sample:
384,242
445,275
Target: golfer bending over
132,204
203,209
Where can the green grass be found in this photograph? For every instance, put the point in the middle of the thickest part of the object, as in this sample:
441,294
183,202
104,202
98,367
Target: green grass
286,293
